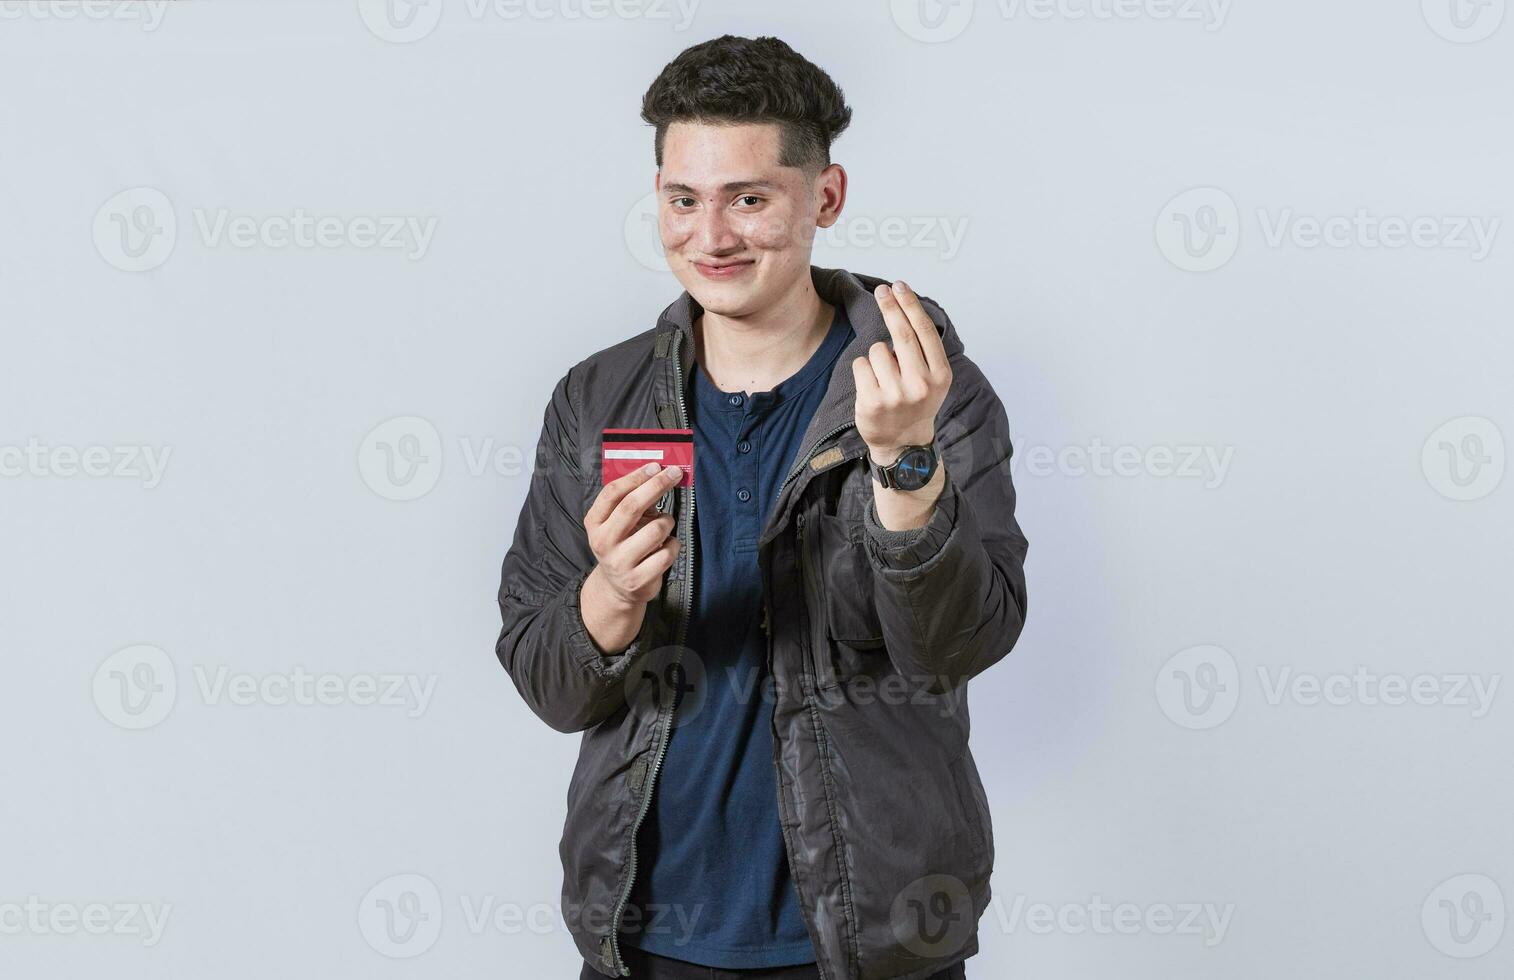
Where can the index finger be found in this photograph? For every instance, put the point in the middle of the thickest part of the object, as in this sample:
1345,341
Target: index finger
616,490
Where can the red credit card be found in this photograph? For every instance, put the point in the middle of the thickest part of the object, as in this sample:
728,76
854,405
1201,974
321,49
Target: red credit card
627,450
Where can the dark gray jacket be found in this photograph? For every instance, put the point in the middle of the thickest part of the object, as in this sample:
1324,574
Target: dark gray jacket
873,635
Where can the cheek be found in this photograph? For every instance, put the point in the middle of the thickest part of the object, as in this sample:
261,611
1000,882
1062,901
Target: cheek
675,229
773,231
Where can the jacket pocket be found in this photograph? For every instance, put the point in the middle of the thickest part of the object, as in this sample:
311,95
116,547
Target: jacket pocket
974,803
851,612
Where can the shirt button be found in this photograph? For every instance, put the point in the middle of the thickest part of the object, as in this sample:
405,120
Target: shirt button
743,495
736,399
743,446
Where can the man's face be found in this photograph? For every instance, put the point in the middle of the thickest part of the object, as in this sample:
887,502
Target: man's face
736,226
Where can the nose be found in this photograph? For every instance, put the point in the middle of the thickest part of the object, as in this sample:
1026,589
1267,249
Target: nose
714,232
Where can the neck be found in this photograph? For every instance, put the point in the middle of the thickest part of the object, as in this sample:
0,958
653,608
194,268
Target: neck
755,352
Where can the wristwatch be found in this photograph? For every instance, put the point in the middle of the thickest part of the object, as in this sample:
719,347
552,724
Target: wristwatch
910,470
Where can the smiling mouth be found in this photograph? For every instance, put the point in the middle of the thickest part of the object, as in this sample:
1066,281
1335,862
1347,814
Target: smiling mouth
722,270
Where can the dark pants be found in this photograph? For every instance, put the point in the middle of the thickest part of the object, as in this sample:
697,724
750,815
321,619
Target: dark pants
649,966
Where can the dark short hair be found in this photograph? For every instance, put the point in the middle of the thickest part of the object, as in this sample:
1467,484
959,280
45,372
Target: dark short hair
751,80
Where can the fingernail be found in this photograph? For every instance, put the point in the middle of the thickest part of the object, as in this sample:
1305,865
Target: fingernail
650,468
899,287
673,471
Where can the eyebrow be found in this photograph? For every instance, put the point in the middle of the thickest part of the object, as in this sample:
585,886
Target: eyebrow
730,188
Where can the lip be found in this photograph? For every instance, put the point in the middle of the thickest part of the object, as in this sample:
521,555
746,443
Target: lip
725,270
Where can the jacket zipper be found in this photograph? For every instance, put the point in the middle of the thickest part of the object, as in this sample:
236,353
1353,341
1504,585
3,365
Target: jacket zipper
683,623
808,577
667,726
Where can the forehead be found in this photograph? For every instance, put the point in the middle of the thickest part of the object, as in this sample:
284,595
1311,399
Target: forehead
701,154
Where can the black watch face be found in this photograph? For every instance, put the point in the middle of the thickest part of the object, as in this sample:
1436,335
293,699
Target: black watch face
913,470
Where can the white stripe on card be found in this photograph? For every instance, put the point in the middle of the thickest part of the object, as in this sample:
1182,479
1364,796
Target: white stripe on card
633,454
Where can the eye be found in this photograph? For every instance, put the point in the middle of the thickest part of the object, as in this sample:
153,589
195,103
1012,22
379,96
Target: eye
750,197
682,202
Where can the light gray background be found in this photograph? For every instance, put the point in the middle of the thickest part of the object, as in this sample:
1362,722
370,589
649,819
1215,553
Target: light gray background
1327,835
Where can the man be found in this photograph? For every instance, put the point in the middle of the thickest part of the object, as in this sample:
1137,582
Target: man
769,667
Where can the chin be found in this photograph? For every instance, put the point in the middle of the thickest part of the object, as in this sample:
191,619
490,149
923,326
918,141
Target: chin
723,298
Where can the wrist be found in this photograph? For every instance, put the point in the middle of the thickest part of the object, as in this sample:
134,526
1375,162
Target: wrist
885,455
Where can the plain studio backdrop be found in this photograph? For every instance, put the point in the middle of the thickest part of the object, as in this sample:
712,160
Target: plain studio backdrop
284,288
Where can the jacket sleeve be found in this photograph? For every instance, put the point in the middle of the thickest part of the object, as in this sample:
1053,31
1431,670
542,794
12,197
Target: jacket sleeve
951,593
543,643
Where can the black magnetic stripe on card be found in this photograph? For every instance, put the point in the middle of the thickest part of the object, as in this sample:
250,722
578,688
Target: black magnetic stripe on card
647,437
